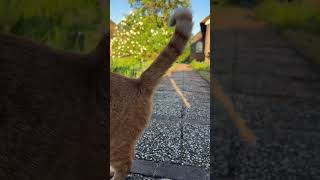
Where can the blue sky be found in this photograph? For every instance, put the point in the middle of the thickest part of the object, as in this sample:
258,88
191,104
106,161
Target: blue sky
200,9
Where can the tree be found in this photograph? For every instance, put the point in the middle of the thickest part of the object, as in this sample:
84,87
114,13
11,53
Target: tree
161,8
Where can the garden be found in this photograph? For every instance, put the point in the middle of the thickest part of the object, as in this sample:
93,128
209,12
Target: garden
141,36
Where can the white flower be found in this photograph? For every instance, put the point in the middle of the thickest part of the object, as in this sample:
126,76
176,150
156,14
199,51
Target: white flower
151,30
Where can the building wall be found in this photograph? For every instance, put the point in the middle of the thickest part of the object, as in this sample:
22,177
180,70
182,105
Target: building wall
207,42
197,50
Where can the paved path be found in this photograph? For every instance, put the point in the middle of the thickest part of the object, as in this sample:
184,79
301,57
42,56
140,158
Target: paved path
176,143
276,91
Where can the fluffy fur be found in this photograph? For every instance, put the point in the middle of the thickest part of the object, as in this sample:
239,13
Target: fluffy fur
52,104
131,99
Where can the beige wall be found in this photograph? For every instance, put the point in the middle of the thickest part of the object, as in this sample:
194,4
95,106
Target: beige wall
207,43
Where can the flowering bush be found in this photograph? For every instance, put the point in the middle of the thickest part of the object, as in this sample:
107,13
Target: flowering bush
137,41
140,37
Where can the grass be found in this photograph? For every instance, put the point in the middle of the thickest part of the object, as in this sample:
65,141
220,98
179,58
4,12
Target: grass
132,68
298,22
288,15
128,66
202,68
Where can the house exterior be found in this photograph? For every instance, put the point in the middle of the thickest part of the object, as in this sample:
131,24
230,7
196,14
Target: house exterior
200,43
205,29
112,28
197,47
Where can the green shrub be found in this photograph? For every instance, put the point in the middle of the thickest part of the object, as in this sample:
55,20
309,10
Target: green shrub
184,58
200,66
288,15
140,37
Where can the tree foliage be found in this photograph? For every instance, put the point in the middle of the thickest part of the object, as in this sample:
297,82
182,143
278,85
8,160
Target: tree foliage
161,8
142,35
